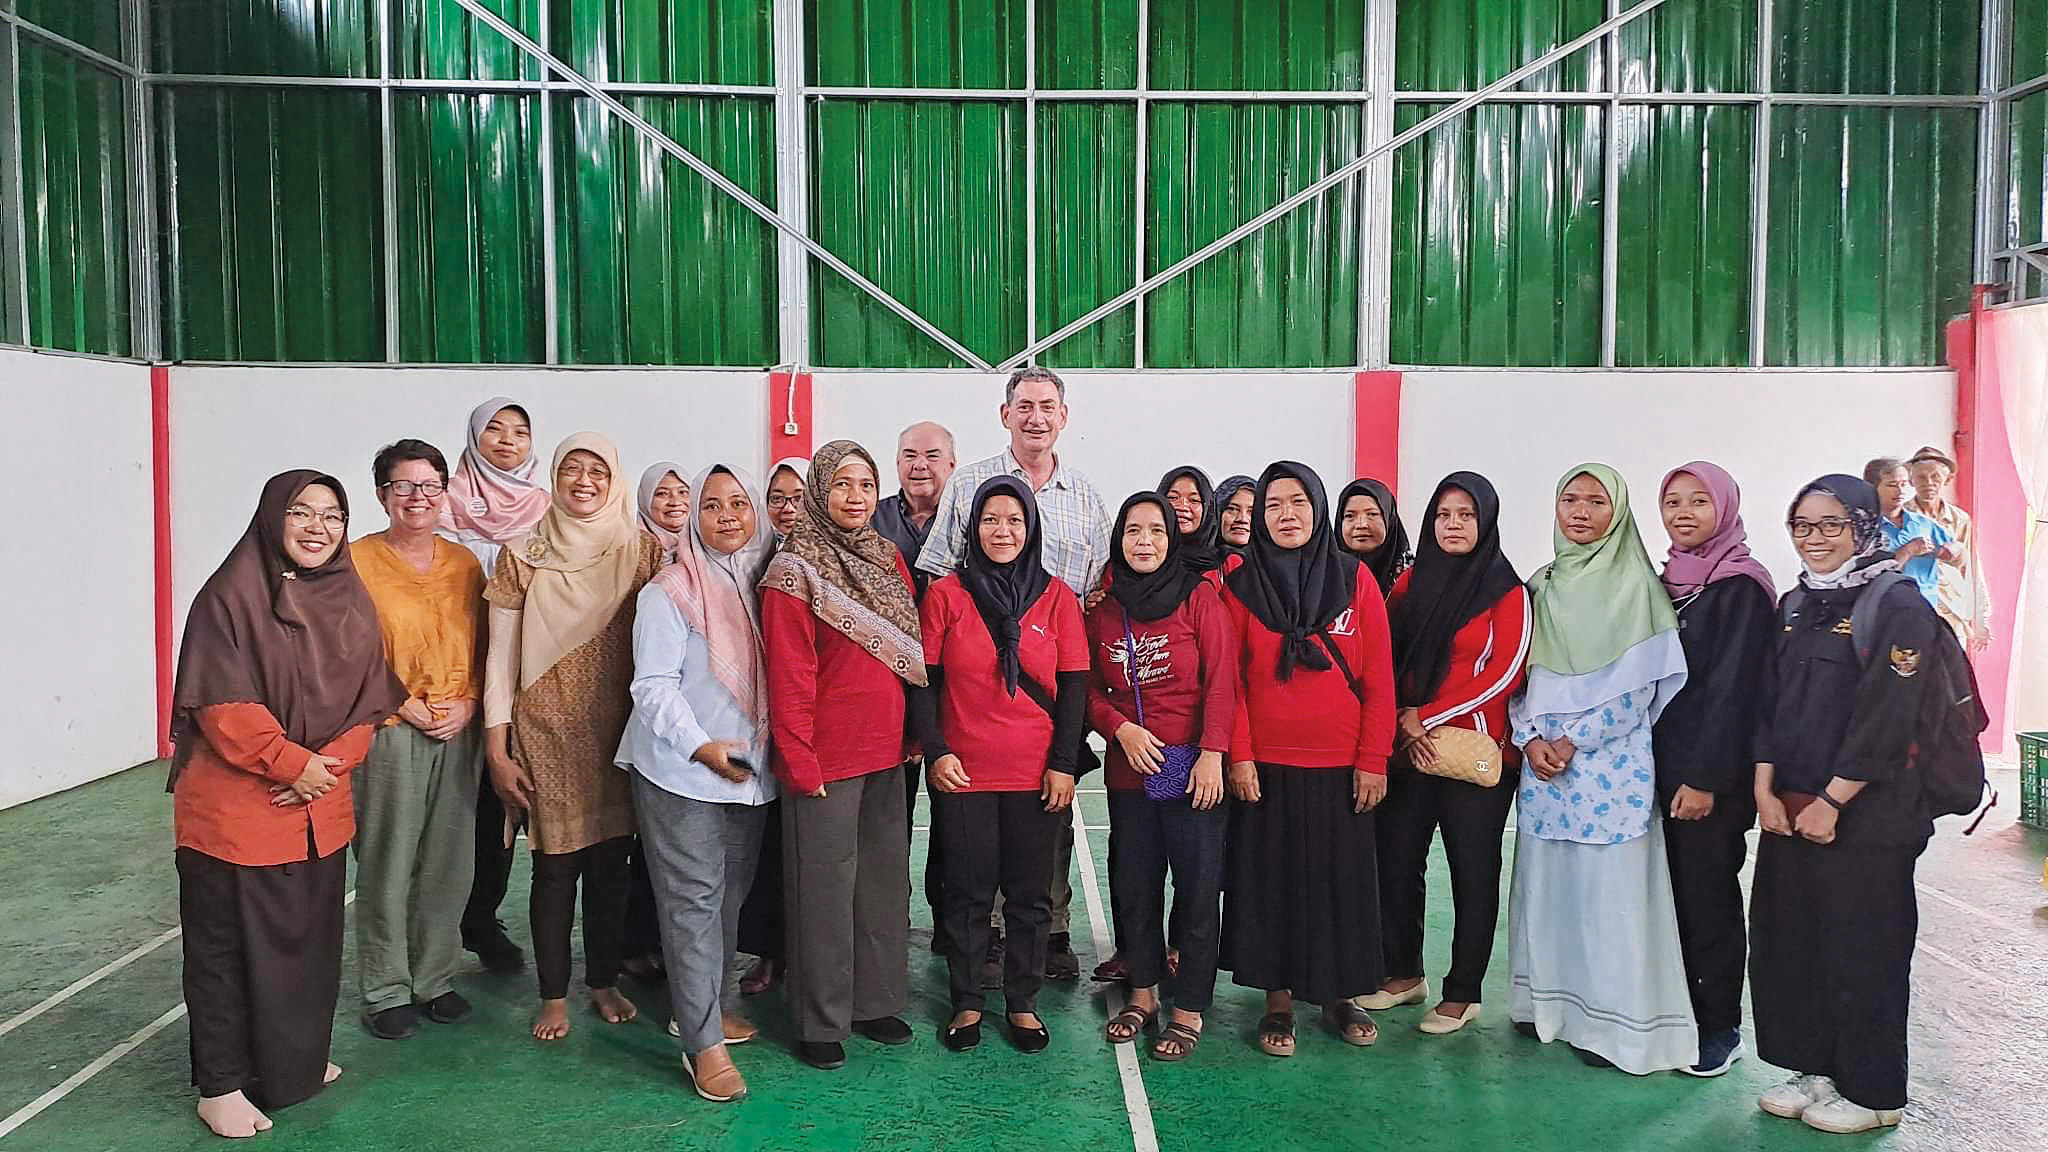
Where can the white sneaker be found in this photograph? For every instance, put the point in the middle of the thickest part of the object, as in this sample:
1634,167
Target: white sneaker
675,1029
1842,1114
1792,1098
1382,1000
1436,1023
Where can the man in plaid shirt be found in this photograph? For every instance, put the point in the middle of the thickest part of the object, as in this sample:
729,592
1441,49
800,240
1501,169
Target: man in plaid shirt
1075,530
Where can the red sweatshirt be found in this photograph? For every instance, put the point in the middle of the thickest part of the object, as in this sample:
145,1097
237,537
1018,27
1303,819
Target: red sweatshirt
1187,666
1314,720
834,711
1488,663
1003,741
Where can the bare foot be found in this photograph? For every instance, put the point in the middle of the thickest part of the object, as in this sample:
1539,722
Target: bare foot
553,1021
738,1029
611,1004
332,1074
232,1116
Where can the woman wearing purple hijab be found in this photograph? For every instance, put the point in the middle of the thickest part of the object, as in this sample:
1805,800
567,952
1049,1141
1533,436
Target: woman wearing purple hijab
1727,615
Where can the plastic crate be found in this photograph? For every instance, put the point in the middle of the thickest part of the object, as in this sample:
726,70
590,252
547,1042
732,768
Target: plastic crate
2034,779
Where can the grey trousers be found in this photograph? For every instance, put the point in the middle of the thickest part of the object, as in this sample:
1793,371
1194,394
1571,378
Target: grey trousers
415,845
847,881
701,857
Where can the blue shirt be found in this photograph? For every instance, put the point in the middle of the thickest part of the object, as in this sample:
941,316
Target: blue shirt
1609,793
1924,570
679,705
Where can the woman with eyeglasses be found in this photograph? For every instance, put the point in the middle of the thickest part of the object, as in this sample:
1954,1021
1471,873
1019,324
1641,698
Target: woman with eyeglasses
786,493
557,695
281,682
415,796
1832,909
1592,933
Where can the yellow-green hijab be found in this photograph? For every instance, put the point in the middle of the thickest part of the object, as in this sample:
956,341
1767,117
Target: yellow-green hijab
1596,601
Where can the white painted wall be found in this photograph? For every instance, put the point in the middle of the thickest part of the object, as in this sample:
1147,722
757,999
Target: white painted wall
1774,431
78,674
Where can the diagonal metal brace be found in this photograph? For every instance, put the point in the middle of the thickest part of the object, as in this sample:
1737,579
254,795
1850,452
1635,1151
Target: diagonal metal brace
718,180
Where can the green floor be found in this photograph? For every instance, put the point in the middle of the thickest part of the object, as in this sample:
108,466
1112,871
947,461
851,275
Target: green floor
89,879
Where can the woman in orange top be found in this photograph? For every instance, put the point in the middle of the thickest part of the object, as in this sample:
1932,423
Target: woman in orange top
281,680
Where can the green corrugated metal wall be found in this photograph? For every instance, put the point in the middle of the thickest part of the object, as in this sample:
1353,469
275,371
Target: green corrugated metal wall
271,198
2025,205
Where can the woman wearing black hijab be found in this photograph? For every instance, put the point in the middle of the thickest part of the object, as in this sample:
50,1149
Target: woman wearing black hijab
1006,656
1369,527
1234,516
1163,694
1832,909
1192,500
1308,764
281,682
1460,620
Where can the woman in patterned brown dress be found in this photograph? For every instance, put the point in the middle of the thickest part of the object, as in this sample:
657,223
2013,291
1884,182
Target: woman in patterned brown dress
556,700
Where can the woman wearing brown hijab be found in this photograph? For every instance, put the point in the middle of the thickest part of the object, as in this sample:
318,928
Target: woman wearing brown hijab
557,694
281,682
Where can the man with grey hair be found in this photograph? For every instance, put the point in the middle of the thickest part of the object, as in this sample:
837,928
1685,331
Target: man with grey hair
924,462
1075,527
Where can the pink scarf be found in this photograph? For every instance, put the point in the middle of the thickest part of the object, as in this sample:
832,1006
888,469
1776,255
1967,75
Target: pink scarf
485,500
717,597
1726,552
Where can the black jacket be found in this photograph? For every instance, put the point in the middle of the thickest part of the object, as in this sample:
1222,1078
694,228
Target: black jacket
1705,737
1830,716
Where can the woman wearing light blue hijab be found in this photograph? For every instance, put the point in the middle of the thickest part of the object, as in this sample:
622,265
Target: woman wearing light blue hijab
1593,931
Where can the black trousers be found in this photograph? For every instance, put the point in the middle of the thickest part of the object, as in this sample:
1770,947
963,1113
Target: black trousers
1153,836
762,930
606,871
1831,962
643,926
493,867
934,872
1706,883
262,973
1472,820
997,840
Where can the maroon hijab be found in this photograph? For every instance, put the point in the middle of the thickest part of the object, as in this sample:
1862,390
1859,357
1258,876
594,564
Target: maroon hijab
303,643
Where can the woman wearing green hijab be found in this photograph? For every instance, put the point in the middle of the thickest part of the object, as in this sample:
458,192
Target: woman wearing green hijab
1592,929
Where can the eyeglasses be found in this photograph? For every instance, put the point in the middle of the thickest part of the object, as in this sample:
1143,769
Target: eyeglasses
778,500
300,516
408,487
1830,527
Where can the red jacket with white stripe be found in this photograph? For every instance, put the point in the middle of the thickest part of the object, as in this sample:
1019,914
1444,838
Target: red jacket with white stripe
1489,658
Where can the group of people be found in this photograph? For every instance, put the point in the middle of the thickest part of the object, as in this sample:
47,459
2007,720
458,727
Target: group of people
712,703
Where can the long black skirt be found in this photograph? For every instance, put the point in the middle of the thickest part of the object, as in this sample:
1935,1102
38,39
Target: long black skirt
1301,904
262,973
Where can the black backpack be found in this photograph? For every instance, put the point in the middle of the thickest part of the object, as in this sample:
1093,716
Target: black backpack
1945,746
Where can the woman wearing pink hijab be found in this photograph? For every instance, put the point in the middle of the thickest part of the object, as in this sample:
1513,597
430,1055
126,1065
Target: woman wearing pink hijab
493,500
1727,618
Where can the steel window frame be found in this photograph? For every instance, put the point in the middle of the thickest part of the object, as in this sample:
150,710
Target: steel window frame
148,288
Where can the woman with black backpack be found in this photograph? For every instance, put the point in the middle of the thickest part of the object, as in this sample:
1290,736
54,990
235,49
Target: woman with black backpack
1839,792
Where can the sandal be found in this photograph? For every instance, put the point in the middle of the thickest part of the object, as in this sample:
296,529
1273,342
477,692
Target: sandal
1125,1025
1352,1023
1274,1028
1183,1040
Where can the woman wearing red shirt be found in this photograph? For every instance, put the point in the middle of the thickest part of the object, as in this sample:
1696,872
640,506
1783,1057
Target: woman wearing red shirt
281,681
840,630
1460,619
1163,694
1308,763
1000,750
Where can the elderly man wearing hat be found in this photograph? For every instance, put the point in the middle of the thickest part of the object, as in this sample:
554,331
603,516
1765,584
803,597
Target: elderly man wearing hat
1962,598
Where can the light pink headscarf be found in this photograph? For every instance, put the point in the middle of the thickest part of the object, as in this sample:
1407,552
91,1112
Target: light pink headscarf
486,500
719,600
1721,555
671,542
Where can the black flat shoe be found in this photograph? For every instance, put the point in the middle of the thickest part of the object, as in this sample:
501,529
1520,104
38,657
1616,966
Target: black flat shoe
496,950
446,1008
1593,1059
1527,1028
962,1038
1029,1039
393,1023
1060,962
827,1055
889,1030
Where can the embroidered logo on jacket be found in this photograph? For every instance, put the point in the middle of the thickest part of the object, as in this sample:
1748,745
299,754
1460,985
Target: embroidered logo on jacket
1905,661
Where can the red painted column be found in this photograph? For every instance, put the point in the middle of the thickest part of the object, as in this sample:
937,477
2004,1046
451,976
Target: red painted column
1376,420
1988,487
789,416
160,503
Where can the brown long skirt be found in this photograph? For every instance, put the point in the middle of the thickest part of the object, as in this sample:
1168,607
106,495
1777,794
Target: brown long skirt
262,973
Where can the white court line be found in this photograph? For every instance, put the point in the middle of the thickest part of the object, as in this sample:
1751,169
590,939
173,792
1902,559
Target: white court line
84,982
102,1062
1139,1108
1984,978
1958,905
